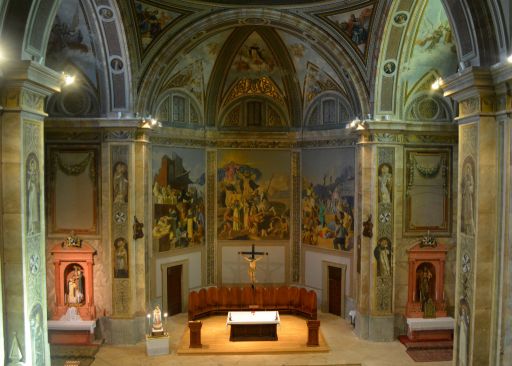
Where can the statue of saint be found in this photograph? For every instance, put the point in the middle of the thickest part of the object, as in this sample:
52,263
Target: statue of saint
385,184
468,188
425,277
121,260
120,183
33,196
157,328
382,254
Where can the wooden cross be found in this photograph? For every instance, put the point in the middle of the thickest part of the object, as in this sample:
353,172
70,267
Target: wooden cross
253,253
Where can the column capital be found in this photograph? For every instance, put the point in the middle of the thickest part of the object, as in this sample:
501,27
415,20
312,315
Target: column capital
26,84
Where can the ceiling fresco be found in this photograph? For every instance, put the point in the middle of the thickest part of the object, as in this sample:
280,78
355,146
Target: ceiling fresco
433,45
70,45
354,24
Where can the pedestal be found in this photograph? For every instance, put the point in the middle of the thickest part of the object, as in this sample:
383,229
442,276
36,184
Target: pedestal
313,326
195,334
156,346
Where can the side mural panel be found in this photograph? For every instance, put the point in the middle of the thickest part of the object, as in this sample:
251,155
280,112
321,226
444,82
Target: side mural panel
178,197
253,195
328,189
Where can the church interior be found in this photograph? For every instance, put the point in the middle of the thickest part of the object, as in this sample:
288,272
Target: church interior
227,182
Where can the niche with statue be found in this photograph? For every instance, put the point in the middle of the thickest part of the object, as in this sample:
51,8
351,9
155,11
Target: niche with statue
74,290
426,296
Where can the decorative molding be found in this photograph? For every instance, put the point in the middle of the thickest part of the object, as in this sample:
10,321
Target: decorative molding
251,87
211,178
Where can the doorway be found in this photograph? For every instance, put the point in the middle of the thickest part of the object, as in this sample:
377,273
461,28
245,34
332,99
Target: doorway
174,275
335,290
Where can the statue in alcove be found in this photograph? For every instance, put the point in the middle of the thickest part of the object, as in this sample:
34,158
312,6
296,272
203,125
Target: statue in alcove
75,287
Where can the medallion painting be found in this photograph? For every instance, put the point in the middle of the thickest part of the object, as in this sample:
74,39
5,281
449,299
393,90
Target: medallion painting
355,25
253,195
328,187
178,197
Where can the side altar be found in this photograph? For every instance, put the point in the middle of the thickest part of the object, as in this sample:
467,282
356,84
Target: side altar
426,313
74,316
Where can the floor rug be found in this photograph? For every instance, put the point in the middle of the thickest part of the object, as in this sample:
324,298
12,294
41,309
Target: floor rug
62,353
430,355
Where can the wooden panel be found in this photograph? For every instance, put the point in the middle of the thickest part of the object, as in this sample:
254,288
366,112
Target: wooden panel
174,289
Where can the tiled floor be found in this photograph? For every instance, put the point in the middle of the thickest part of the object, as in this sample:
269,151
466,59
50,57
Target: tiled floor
344,344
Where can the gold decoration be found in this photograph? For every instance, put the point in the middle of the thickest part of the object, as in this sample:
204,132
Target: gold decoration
73,241
250,87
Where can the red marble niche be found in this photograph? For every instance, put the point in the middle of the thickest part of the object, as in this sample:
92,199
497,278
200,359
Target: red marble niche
426,279
74,280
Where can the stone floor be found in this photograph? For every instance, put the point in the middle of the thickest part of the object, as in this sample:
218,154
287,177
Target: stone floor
344,344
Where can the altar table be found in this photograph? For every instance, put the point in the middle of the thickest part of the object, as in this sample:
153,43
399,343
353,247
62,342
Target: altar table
253,325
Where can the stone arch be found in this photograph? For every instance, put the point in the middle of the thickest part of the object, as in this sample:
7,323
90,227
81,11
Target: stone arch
335,53
315,116
165,106
237,114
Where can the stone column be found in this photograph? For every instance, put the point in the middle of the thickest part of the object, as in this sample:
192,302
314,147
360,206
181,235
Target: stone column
125,175
26,85
480,218
375,318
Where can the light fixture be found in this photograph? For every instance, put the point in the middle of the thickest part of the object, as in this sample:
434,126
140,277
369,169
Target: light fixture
149,122
437,84
2,55
358,124
509,59
67,79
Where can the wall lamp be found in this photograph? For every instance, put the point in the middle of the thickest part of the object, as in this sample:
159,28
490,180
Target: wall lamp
436,85
67,79
358,124
509,59
149,122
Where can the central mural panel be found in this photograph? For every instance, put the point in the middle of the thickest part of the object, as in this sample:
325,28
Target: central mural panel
253,195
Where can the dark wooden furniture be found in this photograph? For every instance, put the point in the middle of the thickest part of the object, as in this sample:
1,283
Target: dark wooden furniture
221,300
195,333
253,332
313,327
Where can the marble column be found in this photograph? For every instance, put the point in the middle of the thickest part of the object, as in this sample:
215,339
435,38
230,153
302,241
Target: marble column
481,220
128,164
26,85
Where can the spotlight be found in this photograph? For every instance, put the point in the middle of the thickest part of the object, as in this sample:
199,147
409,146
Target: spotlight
437,84
67,79
509,59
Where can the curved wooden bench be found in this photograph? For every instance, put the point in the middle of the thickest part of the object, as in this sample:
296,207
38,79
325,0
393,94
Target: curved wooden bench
220,300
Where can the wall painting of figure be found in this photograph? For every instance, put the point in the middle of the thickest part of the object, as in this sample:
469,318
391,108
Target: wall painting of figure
328,198
253,195
178,197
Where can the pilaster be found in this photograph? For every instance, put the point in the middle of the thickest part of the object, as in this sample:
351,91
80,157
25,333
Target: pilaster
22,233
482,99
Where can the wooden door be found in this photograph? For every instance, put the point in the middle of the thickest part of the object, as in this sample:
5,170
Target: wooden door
335,290
174,289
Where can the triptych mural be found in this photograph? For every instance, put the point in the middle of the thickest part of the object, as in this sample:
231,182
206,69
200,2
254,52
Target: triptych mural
328,189
253,195
178,197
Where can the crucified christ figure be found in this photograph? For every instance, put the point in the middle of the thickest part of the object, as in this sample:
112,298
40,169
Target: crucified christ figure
252,268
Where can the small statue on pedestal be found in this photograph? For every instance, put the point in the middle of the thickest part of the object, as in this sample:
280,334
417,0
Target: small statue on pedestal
157,328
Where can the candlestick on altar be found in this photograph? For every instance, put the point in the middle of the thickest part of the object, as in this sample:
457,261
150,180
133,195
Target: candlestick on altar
165,317
149,323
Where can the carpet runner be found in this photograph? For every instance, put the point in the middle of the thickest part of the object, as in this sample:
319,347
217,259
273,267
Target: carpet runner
428,351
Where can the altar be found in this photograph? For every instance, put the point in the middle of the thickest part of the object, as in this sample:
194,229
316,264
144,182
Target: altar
253,325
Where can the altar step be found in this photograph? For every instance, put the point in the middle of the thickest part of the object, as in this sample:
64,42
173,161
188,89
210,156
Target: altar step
410,344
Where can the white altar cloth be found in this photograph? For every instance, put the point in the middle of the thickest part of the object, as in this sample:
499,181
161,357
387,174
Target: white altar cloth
253,317
419,324
72,325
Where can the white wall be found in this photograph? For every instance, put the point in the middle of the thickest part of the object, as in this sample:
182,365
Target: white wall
270,269
194,273
313,269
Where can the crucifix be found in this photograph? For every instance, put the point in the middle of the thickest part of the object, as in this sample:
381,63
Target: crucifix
252,259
